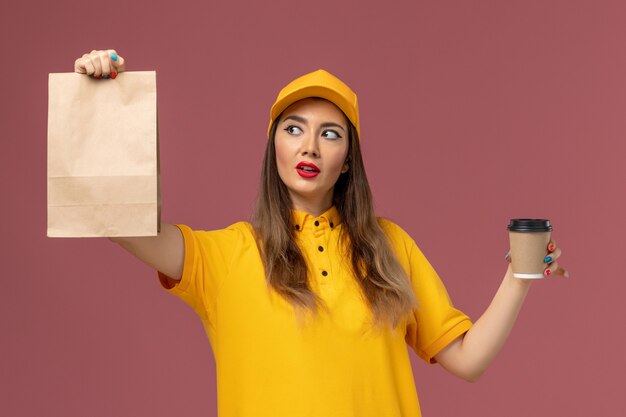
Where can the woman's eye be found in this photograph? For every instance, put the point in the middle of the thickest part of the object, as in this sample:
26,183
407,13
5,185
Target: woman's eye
293,130
331,134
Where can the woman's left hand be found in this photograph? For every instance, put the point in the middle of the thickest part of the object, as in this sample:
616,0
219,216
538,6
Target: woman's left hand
553,266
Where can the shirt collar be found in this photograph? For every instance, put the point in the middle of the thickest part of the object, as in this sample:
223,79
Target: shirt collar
303,220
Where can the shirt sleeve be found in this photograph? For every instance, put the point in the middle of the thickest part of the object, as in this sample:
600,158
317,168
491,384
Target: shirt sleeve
208,256
435,322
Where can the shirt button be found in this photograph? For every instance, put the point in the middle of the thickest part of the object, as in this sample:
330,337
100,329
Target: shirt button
324,273
332,225
320,248
316,223
297,227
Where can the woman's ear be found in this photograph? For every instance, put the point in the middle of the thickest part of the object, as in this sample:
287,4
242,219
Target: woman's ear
345,168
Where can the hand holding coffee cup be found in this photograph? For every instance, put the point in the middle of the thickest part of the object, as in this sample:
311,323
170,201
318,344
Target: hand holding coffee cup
533,254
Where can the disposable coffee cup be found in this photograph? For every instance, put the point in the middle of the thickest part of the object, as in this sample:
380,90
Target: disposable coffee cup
529,240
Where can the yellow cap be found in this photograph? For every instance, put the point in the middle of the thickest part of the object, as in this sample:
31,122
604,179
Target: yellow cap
322,84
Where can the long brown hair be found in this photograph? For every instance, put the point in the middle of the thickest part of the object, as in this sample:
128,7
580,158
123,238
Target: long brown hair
383,282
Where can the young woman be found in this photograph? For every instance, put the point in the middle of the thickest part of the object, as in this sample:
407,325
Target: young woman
309,309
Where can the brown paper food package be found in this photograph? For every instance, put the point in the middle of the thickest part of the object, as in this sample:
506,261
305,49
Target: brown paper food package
103,165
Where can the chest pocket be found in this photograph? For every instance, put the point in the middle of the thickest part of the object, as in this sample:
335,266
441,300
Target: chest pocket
347,308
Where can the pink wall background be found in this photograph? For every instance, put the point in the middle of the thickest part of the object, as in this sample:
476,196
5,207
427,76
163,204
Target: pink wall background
473,112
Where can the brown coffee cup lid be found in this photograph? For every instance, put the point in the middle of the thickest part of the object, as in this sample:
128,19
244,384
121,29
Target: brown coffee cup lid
529,225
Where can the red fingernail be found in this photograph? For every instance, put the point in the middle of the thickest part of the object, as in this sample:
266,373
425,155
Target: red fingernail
113,74
547,272
96,76
551,247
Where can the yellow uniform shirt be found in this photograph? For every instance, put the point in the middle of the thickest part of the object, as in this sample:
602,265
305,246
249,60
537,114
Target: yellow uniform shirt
336,365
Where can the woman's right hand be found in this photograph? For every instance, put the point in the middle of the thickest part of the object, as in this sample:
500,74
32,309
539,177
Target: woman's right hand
100,64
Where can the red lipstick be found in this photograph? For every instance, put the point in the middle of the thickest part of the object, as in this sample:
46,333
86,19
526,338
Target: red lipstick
307,169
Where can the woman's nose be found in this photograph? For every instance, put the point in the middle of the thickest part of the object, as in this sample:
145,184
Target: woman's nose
310,146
